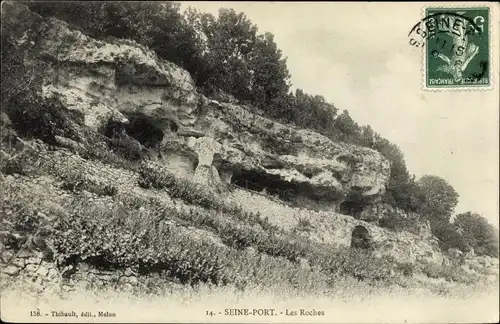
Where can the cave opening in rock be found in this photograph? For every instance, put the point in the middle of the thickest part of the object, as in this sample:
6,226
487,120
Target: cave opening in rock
144,130
353,205
351,208
272,184
360,238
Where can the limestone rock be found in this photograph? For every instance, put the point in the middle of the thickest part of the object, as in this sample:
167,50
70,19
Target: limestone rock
121,81
42,271
11,270
19,262
7,256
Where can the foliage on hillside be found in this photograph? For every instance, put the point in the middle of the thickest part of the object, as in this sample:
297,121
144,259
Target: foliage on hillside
478,233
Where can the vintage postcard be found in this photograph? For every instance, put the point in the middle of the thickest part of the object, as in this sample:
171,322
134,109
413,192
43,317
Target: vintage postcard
249,162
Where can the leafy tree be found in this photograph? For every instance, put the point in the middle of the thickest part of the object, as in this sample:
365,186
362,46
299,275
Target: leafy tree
270,76
229,40
449,237
478,233
405,195
439,199
346,129
312,112
400,187
368,136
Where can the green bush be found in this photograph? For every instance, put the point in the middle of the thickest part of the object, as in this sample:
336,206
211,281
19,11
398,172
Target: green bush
76,181
23,162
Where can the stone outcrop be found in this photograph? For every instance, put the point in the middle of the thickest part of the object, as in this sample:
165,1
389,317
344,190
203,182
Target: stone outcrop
42,275
337,229
122,82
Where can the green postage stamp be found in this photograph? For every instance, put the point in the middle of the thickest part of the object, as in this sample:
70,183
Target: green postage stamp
456,44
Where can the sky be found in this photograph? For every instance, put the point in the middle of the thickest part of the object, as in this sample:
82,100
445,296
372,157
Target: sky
357,55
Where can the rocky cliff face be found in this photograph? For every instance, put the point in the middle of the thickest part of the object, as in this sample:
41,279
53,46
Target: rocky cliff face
119,85
121,89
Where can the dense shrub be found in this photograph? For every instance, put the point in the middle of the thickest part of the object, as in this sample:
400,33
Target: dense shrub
449,237
304,225
477,233
127,147
76,181
41,118
406,268
398,222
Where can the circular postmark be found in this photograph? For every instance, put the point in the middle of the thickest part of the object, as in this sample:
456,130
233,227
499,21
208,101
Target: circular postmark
456,46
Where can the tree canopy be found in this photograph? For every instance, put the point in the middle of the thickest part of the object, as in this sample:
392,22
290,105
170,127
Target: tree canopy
439,199
478,233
